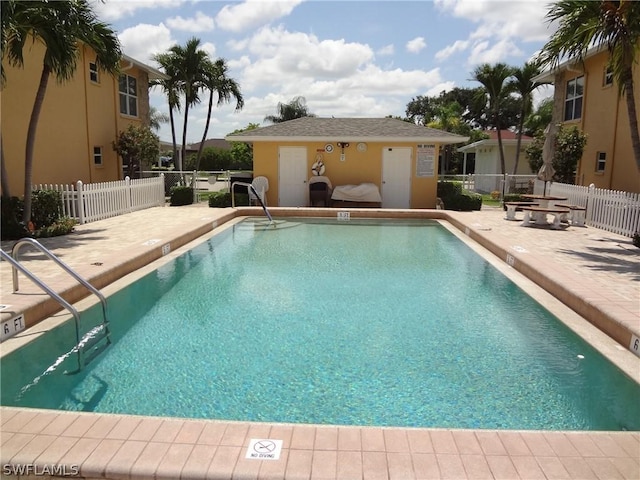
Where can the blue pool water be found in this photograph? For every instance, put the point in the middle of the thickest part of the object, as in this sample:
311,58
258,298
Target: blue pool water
319,321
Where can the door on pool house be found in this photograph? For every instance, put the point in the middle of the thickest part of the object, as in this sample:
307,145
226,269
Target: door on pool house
396,177
292,177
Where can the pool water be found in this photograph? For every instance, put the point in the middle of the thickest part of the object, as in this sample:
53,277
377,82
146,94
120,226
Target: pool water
320,321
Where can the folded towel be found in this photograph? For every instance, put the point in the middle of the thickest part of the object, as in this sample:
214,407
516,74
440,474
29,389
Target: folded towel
365,192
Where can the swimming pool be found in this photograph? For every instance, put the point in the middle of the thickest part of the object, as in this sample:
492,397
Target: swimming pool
417,319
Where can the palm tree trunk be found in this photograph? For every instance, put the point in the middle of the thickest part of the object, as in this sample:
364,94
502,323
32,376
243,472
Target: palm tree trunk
31,140
206,129
3,173
173,136
184,136
518,143
633,118
500,149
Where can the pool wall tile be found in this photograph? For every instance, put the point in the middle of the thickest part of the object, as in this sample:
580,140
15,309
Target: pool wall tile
258,430
349,464
349,439
476,467
147,463
450,466
39,422
80,426
552,467
326,438
282,432
198,462
616,445
146,429
224,461
561,444
119,467
96,463
234,434
124,428
514,443
395,440
324,464
212,433
168,431
102,427
18,421
443,442
400,466
537,444
59,424
299,463
578,468
419,441
490,443
303,437
466,442
426,465
189,432
173,462
501,466
527,467
80,451
372,439
585,446
374,465
56,450
274,470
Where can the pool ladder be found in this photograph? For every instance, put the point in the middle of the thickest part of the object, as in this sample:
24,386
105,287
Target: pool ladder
88,345
250,186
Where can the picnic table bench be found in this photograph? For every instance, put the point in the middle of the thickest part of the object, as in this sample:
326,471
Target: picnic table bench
539,215
577,213
513,207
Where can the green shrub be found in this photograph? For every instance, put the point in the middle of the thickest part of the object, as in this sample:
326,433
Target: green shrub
46,208
62,226
223,199
11,215
454,198
181,195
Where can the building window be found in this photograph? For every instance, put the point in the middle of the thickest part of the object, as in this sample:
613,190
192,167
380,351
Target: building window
97,156
128,87
601,161
93,72
573,99
608,76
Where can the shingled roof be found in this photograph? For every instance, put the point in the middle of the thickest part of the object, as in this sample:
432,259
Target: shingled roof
313,129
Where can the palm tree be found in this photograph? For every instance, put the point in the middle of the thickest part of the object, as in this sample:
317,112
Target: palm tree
614,24
523,84
63,28
297,108
171,88
493,80
217,81
191,64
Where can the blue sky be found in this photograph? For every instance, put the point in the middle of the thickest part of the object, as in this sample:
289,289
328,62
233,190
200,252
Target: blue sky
347,58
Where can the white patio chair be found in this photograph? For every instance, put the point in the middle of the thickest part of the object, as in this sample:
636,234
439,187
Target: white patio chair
261,185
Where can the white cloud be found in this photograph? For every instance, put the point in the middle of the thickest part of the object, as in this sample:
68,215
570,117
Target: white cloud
199,23
485,52
458,46
143,41
253,13
110,10
386,50
416,45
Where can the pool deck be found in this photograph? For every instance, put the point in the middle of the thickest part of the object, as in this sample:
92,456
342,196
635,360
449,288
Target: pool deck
594,272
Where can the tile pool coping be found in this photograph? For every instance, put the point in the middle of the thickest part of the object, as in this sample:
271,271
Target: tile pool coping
122,446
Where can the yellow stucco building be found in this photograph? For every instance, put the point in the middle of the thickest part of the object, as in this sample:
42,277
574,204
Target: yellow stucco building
587,96
79,120
399,158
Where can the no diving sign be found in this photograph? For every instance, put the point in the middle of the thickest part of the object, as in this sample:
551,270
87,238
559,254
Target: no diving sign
264,449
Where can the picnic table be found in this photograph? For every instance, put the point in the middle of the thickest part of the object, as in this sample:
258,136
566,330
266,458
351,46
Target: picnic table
538,216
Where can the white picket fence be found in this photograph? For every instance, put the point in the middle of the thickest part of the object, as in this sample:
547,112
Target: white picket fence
96,201
611,210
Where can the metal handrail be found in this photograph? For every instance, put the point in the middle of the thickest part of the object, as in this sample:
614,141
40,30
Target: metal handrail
15,265
30,241
249,185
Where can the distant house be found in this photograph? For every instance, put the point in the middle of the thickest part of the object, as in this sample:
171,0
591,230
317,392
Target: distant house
487,158
586,96
79,120
220,143
400,158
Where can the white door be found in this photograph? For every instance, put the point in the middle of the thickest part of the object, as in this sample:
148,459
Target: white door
292,173
396,177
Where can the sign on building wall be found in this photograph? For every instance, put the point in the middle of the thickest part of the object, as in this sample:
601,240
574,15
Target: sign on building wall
426,160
